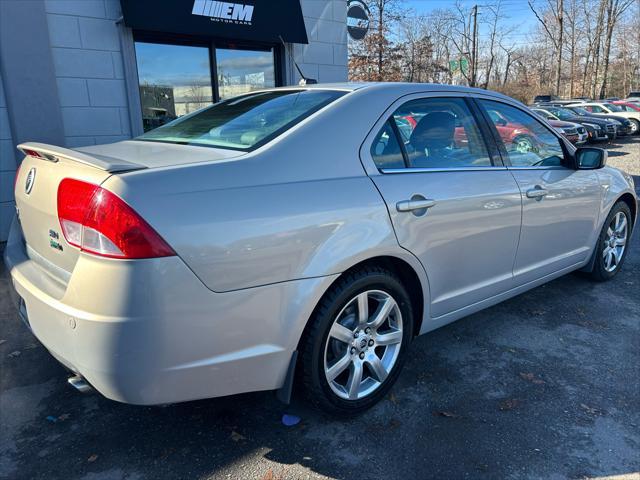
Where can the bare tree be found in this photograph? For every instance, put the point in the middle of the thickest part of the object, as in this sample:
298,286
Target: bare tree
615,8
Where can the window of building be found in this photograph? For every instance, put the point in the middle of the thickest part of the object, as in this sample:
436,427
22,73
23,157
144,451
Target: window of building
176,79
243,71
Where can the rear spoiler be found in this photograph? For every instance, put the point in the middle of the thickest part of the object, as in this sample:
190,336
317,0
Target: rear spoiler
54,154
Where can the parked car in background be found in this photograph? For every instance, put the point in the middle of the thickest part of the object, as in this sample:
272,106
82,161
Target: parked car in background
545,98
292,233
609,109
627,106
574,132
635,94
600,129
581,134
623,126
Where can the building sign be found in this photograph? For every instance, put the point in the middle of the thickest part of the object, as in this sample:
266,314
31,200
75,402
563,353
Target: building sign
249,20
357,19
224,11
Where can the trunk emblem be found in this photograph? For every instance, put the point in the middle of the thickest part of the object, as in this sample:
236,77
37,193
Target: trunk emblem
31,178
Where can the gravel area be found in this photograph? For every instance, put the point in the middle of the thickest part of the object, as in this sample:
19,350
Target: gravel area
624,154
545,386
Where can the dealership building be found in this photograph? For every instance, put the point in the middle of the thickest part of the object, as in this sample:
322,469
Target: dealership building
86,72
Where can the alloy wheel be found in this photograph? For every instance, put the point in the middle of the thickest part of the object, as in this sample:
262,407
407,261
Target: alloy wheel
363,344
615,242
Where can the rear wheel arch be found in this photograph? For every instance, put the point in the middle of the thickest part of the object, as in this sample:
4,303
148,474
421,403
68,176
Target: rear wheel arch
406,274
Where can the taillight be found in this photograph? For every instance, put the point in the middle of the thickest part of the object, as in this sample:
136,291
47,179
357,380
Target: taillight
100,222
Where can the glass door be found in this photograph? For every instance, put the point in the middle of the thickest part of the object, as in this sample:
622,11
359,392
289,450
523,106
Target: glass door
174,80
243,70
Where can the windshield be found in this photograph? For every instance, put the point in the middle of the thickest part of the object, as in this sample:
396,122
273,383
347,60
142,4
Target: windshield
245,122
580,111
562,113
544,114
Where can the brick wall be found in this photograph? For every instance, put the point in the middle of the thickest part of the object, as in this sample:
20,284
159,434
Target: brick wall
89,71
7,168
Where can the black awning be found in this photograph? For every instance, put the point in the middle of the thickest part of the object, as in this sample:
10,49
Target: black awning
257,20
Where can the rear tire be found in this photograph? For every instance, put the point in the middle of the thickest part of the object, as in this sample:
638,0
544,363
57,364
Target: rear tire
635,129
613,241
356,342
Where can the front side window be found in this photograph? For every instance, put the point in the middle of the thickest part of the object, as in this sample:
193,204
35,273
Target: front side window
245,122
526,140
435,133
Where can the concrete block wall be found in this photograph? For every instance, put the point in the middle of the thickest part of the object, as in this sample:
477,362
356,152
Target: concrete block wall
89,71
7,168
324,58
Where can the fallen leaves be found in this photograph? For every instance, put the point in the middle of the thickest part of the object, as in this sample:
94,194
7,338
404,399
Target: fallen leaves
92,458
236,437
509,404
14,354
448,414
530,377
590,410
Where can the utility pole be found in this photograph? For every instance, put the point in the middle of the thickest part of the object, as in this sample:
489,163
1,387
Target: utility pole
474,47
561,28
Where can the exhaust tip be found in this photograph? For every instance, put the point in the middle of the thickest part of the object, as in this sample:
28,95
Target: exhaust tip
79,384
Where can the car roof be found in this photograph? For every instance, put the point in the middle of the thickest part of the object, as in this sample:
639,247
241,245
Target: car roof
402,87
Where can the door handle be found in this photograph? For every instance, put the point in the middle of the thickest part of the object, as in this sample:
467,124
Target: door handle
411,205
537,192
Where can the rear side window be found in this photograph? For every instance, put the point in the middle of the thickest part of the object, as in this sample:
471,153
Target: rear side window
245,122
433,133
385,150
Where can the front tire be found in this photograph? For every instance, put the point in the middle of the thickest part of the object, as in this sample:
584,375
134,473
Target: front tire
611,249
635,127
357,340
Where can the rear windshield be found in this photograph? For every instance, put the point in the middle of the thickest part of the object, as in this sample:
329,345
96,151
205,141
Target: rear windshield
245,122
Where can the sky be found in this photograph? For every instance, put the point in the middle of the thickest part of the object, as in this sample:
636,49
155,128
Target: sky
518,13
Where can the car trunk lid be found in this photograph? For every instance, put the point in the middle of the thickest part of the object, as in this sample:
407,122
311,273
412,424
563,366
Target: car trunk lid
40,174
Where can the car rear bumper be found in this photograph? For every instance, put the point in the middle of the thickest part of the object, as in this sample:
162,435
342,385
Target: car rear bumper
149,332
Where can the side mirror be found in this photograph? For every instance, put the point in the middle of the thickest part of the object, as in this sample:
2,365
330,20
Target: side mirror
589,158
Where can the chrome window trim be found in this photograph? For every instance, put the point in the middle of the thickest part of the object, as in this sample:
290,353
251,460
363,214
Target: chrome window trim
449,169
532,167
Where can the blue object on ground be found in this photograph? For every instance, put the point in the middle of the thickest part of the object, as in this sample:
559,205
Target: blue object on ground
290,420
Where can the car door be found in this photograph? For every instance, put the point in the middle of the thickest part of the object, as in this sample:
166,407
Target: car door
450,203
560,204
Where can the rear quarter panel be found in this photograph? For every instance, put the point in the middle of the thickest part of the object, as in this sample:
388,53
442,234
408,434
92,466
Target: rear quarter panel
299,207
